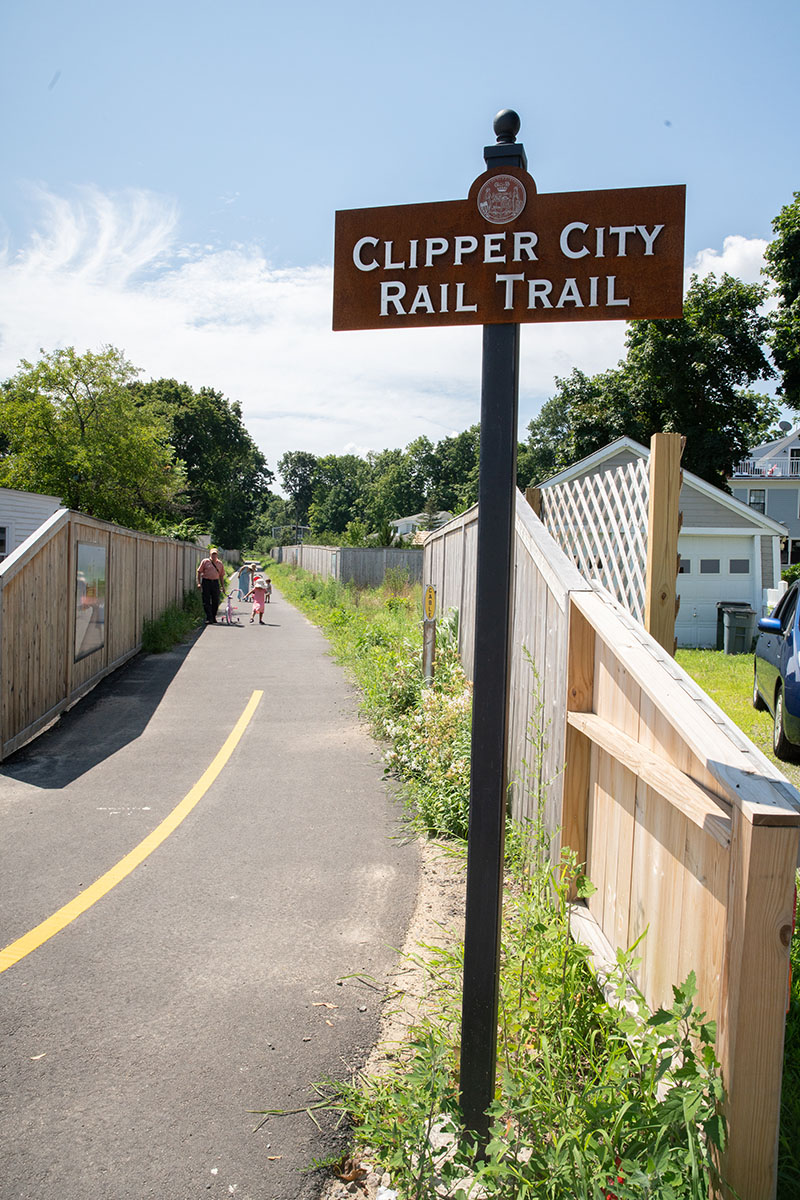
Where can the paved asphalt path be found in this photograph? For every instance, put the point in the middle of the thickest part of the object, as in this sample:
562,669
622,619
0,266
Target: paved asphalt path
217,977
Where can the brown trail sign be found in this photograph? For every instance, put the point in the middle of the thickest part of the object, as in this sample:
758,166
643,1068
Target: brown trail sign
508,255
503,256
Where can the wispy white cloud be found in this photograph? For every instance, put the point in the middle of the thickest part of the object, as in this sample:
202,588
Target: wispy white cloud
105,269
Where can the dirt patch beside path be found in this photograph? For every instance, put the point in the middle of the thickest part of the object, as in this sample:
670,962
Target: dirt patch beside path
438,920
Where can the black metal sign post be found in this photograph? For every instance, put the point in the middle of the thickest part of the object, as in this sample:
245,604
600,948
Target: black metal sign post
493,626
506,254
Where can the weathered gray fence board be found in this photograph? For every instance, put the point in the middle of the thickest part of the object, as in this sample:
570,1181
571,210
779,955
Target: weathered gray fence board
365,566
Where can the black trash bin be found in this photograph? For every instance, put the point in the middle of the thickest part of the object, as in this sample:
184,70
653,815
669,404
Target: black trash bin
731,605
739,627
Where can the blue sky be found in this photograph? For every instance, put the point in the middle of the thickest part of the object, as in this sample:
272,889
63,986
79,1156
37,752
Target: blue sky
171,172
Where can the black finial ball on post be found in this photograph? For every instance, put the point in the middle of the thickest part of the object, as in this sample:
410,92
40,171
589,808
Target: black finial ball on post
506,125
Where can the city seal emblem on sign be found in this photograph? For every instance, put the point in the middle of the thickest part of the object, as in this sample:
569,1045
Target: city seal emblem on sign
501,199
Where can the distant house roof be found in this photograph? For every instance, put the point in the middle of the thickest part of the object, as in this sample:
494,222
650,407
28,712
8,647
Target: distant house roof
418,519
627,446
29,497
770,449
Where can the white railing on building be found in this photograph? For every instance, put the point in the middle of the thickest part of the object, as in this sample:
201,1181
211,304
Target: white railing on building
767,468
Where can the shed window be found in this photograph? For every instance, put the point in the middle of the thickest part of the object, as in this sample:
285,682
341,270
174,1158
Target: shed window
740,566
685,567
709,566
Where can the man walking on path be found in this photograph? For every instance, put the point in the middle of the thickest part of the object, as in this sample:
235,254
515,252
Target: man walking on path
210,575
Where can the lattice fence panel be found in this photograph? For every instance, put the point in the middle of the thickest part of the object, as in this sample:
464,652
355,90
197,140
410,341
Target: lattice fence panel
600,521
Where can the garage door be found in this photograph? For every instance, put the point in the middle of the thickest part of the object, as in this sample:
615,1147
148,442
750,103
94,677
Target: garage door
712,569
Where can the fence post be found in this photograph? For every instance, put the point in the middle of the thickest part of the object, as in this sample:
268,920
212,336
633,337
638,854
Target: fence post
534,497
663,522
754,992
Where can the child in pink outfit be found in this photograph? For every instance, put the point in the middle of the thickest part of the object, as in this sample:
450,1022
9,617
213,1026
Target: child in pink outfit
259,593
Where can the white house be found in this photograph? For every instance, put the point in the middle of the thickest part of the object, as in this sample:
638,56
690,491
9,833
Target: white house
20,514
768,481
729,551
407,526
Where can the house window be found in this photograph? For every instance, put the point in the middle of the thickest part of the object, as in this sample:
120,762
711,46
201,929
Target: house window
3,541
709,566
739,566
685,566
758,499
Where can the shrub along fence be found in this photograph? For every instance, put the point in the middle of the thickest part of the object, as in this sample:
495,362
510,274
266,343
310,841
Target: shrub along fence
363,565
73,599
688,832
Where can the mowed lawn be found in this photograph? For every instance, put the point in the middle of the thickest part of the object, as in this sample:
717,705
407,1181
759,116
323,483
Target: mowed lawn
728,680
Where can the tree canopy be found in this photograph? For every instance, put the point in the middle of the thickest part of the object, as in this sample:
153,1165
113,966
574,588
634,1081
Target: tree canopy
686,376
299,470
783,264
227,477
71,428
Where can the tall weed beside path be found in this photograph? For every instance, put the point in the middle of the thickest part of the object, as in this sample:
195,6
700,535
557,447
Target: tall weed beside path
173,626
591,1103
377,634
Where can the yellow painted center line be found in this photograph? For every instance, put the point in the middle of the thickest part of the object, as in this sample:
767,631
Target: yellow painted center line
59,920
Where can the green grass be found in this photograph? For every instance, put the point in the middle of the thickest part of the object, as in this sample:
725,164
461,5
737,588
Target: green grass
173,626
728,679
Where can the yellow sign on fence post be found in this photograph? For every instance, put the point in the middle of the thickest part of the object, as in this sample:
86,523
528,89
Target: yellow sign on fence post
430,602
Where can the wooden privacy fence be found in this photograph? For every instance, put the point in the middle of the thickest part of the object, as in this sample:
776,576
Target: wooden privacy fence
366,566
688,832
59,634
319,560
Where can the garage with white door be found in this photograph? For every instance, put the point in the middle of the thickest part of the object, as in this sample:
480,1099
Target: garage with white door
725,567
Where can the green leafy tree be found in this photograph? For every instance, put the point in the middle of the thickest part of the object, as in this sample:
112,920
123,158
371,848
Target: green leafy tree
690,376
422,469
227,478
298,470
71,428
385,535
430,512
390,491
355,534
340,493
456,461
783,264
584,414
